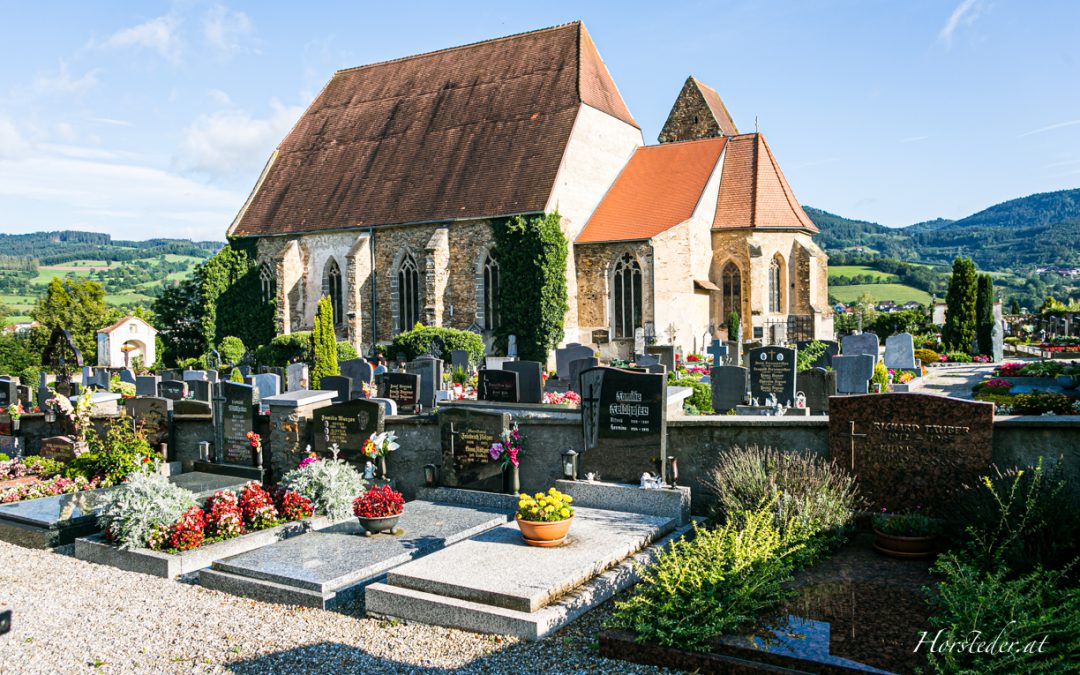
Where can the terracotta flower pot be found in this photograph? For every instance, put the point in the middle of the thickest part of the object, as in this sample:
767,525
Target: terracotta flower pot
379,525
544,534
898,546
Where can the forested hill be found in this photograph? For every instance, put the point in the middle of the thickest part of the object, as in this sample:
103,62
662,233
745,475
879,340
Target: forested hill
55,248
1040,230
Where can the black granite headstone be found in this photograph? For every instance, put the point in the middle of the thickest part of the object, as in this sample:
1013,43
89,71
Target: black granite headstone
402,388
348,425
772,372
623,415
154,415
237,419
467,436
175,390
497,385
342,385
530,380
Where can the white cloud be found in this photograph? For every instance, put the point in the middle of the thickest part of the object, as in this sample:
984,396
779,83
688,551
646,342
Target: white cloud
63,84
964,14
11,141
226,30
159,34
1059,125
231,142
219,97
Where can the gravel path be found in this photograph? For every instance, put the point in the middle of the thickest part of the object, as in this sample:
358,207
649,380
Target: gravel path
956,381
74,616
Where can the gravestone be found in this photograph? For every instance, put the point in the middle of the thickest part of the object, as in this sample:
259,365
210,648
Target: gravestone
497,385
530,380
459,358
578,366
296,377
997,343
729,385
237,419
863,343
388,404
911,451
348,425
853,373
154,415
718,350
175,390
359,370
832,348
666,354
200,390
25,396
639,340
900,352
564,356
402,388
511,346
623,417
646,360
9,393
817,385
147,385
429,369
496,362
772,372
341,384
61,448
734,353
195,375
267,384
192,407
467,436
127,376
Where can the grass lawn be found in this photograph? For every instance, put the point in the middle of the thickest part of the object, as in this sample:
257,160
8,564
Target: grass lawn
855,270
898,293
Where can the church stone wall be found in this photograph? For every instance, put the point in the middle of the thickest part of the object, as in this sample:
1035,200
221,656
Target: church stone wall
595,263
690,118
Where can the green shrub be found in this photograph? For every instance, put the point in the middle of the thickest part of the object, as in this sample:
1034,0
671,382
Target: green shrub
323,343
4,457
927,356
416,342
43,466
1042,402
702,396
1043,369
880,376
713,583
803,488
122,452
1012,340
330,484
231,349
958,357
1036,610
236,376
805,357
733,326
285,349
346,352
133,511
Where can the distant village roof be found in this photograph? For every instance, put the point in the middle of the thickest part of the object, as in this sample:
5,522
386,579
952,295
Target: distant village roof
657,189
753,190
468,132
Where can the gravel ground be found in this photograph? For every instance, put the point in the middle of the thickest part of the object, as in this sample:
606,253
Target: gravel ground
74,616
956,381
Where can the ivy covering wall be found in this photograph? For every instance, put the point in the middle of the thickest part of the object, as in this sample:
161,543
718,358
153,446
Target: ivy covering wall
532,295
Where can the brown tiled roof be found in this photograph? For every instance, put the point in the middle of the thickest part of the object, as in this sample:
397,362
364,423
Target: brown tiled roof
716,105
121,322
656,190
468,132
753,190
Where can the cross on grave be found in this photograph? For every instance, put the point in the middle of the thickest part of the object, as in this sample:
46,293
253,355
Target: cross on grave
718,350
590,401
852,435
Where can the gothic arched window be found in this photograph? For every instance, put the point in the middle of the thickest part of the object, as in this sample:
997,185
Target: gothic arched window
626,289
266,282
491,293
408,278
332,288
731,290
776,284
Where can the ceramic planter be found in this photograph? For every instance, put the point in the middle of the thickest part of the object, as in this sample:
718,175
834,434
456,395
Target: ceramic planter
379,525
544,534
898,546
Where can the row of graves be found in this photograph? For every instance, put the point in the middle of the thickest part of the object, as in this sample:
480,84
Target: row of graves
755,379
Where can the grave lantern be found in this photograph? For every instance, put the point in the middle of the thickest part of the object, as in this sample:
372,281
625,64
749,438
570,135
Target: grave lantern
431,475
570,464
673,470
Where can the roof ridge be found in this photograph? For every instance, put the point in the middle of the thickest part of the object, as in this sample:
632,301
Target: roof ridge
709,139
478,43
789,194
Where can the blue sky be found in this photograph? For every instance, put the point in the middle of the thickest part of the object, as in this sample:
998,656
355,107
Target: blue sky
154,118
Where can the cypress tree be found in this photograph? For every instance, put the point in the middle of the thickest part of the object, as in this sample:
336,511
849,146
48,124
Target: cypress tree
959,328
984,314
324,343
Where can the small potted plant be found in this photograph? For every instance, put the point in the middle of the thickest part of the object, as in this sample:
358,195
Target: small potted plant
544,519
379,509
905,535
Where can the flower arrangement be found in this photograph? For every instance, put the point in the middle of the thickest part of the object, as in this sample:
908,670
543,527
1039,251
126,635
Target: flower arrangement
188,531
224,517
915,524
329,484
379,502
294,506
14,412
550,507
570,399
980,358
310,459
905,377
56,486
257,506
380,445
507,448
370,390
256,441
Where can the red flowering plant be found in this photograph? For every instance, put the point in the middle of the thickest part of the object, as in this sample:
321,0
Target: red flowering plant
258,507
997,385
294,506
1011,369
224,517
255,440
188,532
569,399
379,502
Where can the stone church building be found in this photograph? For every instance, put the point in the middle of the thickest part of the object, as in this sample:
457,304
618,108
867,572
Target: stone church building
383,194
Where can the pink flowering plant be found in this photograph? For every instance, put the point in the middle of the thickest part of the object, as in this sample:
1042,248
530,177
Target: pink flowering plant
508,448
998,385
569,399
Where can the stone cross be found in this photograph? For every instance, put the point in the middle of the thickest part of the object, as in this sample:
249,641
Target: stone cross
852,435
718,350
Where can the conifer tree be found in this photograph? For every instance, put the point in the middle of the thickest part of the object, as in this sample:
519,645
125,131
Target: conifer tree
984,314
324,343
959,328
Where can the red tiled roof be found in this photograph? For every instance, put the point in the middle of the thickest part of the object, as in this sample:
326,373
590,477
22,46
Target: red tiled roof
121,322
656,190
719,110
467,132
753,190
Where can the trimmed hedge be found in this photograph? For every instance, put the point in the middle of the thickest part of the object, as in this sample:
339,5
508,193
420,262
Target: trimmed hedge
927,356
702,396
416,342
286,349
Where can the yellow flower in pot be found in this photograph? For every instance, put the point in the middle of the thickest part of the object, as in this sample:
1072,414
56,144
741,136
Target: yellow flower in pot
545,518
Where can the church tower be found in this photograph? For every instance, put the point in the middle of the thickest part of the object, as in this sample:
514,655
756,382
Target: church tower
698,113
